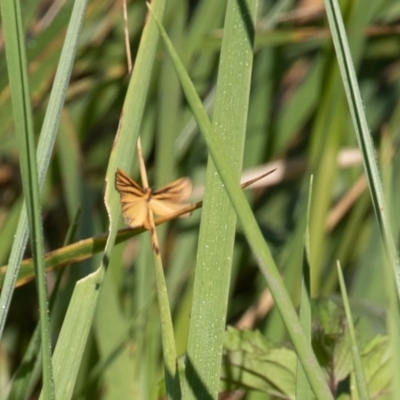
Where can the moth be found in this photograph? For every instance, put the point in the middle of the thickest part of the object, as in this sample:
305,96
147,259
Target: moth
137,202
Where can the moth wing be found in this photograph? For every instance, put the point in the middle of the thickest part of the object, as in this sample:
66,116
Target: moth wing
175,192
136,213
163,208
126,185
133,201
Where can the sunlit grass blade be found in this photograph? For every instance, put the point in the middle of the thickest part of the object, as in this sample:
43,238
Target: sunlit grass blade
252,231
354,99
85,297
7,232
28,372
138,213
218,220
303,390
172,379
23,118
44,150
362,388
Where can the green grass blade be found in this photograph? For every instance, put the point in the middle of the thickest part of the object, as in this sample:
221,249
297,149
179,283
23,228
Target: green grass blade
28,372
44,151
19,87
252,231
74,253
111,328
358,370
7,231
362,132
393,324
218,222
170,110
391,299
148,337
71,344
172,379
73,336
303,390
328,133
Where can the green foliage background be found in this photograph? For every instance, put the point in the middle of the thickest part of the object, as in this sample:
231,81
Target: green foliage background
297,121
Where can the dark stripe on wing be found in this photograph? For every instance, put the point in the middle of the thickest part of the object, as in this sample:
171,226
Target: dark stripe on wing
176,191
123,183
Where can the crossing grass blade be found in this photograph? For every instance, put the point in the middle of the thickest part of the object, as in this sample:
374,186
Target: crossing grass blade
87,248
44,150
252,231
362,388
365,143
72,341
22,111
218,220
303,390
354,99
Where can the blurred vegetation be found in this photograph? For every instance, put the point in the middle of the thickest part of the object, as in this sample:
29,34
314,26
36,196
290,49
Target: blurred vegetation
298,120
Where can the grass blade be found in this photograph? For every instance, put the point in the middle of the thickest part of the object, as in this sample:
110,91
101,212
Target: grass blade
28,373
252,231
44,151
71,344
362,132
218,221
19,87
358,370
303,390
